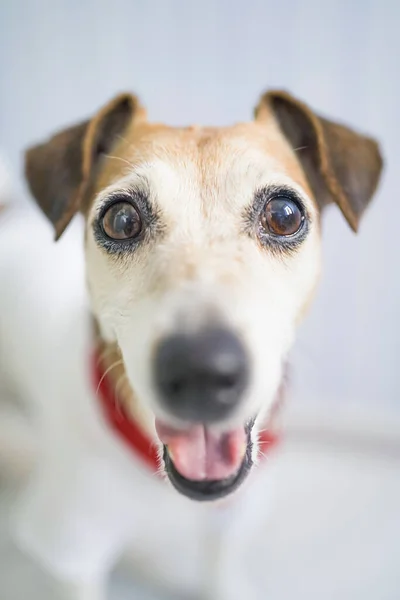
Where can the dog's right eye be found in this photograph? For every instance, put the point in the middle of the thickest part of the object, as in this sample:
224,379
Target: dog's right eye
122,221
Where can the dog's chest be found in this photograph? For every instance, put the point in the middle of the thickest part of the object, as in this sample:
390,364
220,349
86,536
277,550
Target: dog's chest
170,541
167,536
106,501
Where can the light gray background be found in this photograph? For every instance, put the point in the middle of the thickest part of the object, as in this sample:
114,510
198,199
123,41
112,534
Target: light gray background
207,62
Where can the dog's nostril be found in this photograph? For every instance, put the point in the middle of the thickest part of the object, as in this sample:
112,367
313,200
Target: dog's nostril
201,377
185,383
176,387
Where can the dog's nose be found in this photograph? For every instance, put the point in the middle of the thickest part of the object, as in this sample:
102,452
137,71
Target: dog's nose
201,377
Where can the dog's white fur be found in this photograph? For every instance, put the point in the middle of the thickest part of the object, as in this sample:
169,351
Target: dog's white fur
203,268
89,498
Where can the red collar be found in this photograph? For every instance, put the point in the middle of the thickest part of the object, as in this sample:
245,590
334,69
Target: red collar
130,431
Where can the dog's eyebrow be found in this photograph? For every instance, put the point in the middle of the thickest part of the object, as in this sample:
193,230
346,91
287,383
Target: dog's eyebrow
137,190
131,165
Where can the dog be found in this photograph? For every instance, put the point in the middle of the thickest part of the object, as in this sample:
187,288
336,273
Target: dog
202,253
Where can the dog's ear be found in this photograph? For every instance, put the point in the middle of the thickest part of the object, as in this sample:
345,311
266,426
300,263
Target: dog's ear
341,165
61,171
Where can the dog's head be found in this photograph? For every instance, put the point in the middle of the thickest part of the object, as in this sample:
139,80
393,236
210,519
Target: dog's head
203,253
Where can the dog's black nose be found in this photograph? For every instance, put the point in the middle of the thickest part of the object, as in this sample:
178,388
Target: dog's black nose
201,377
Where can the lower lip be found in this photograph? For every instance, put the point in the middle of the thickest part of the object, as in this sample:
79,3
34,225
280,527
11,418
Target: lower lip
208,491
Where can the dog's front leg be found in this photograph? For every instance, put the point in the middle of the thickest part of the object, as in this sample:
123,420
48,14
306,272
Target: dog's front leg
225,576
219,541
233,569
72,519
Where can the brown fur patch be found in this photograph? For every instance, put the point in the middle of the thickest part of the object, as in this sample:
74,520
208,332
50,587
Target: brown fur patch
203,146
60,171
342,166
339,164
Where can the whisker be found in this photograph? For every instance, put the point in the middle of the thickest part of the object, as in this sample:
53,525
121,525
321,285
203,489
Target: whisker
104,353
260,431
130,165
117,363
300,148
122,138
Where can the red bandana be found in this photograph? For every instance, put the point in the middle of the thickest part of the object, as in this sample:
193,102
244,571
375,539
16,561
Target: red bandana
129,430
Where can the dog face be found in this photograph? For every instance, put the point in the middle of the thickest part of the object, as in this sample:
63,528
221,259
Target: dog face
203,252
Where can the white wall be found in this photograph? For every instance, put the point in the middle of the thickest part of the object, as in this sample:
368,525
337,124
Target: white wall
207,62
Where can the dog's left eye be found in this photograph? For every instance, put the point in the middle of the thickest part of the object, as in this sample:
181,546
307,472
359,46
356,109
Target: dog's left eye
122,221
282,216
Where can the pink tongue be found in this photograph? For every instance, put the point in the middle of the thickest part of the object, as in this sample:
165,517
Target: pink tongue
199,454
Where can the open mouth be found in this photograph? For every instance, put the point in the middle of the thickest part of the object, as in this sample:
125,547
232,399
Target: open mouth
205,464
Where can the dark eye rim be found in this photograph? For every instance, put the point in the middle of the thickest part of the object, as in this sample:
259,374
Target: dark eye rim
152,225
281,246
108,206
296,201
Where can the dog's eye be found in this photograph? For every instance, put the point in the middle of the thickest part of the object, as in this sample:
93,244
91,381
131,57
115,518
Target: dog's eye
281,216
122,221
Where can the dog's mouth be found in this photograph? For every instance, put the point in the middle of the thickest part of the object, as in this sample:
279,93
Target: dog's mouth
205,464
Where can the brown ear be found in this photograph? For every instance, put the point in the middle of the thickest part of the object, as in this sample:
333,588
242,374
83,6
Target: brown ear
60,171
341,165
